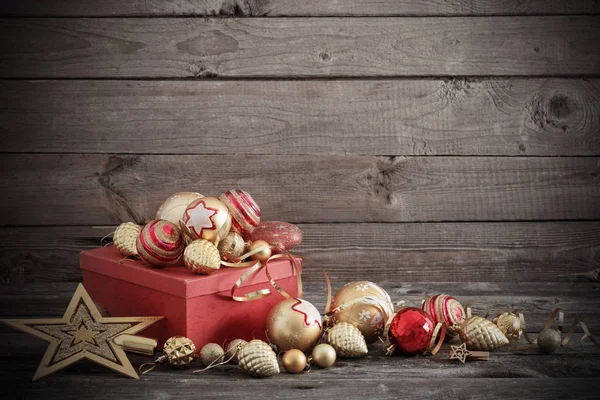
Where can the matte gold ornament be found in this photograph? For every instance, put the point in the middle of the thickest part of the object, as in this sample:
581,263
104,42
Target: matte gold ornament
82,333
202,257
347,340
481,334
178,352
125,238
206,218
174,207
294,361
211,353
549,340
262,255
258,359
364,305
510,325
294,324
231,247
324,355
233,350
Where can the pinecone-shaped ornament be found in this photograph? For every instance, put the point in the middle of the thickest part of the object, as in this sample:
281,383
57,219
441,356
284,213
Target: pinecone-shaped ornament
347,340
202,257
481,334
258,359
510,325
178,352
125,237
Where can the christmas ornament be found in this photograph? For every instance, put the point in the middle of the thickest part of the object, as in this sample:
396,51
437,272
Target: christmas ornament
347,340
125,238
549,340
481,334
445,309
364,305
233,349
324,355
206,218
160,243
411,331
82,333
178,352
462,354
258,359
211,353
231,247
202,257
294,361
510,325
294,324
263,250
277,233
245,213
174,207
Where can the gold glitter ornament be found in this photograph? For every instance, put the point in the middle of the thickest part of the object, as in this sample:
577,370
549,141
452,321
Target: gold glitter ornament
324,355
294,361
202,257
233,350
125,238
294,324
549,340
510,325
481,334
211,354
258,359
231,247
178,352
347,340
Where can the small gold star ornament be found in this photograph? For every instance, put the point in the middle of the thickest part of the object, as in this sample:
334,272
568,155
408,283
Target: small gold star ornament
83,333
459,353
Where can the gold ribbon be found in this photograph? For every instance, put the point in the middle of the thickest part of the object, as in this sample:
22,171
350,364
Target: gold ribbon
559,314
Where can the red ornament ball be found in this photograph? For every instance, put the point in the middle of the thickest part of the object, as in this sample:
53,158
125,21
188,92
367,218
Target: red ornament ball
277,233
245,213
160,243
446,309
411,330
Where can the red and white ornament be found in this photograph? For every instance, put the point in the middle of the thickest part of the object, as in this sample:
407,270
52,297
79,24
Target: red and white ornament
173,208
206,218
411,331
277,233
160,243
446,309
294,324
245,213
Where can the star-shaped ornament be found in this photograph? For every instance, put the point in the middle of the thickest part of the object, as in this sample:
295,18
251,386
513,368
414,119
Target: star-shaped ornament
82,333
459,353
200,217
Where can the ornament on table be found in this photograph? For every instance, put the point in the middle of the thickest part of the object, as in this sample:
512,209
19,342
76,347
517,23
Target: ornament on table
461,354
258,359
206,218
445,309
178,352
245,213
510,325
281,234
125,238
160,243
479,333
211,353
202,257
413,331
174,207
83,333
364,305
324,355
231,247
294,361
233,350
294,324
549,340
347,340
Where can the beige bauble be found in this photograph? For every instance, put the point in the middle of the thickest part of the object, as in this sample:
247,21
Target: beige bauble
202,257
294,324
125,238
510,325
347,340
258,359
172,209
549,340
481,334
231,247
211,354
324,355
206,218
233,350
264,254
178,351
369,314
294,361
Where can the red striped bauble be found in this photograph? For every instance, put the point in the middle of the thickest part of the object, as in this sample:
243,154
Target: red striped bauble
245,213
445,309
160,243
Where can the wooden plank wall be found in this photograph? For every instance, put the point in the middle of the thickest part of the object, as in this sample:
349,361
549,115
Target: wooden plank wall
410,140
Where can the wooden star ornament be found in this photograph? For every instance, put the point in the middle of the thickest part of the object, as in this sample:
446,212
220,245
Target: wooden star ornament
462,354
82,333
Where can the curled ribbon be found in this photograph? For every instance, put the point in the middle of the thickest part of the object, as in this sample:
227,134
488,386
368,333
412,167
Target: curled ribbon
559,314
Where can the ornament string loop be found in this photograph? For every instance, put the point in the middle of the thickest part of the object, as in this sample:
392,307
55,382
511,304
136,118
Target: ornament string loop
145,371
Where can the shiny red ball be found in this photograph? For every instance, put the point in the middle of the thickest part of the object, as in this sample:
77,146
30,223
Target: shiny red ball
411,330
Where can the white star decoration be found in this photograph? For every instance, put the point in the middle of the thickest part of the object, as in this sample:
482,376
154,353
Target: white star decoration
200,217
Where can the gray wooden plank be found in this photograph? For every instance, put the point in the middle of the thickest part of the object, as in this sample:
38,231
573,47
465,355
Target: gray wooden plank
246,8
92,189
400,117
463,252
299,47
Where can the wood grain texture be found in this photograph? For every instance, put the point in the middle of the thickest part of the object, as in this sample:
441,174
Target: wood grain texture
248,8
461,252
400,117
91,189
299,47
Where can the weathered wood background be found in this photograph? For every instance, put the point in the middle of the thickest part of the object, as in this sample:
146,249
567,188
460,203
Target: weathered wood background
429,146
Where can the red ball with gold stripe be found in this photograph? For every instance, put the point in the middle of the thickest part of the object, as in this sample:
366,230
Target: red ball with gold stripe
206,218
160,243
445,309
245,213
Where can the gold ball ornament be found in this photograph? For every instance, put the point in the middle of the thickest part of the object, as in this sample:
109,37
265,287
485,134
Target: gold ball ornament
549,340
509,324
364,305
206,218
211,354
231,247
178,351
233,350
324,355
172,209
202,257
294,324
258,359
294,361
125,237
262,255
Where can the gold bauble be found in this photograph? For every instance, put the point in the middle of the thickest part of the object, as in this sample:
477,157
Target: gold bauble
231,247
233,350
294,361
211,354
294,324
347,340
258,359
125,238
509,324
549,340
206,218
179,351
324,355
367,306
172,209
202,257
481,334
261,255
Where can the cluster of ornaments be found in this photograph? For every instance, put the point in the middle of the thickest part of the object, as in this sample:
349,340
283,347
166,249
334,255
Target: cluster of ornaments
204,231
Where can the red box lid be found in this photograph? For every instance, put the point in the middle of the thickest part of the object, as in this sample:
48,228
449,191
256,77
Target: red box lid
178,280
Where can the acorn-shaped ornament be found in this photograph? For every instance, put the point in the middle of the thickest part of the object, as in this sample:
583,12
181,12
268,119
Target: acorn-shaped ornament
125,238
481,334
202,257
258,359
347,340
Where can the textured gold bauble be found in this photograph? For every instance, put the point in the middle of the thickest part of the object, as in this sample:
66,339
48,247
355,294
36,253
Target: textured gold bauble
211,354
202,257
294,361
125,238
173,208
481,334
509,324
258,359
323,355
179,351
261,255
549,340
233,350
231,247
294,324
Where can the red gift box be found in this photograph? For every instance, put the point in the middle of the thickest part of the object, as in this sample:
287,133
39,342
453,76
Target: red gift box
199,307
